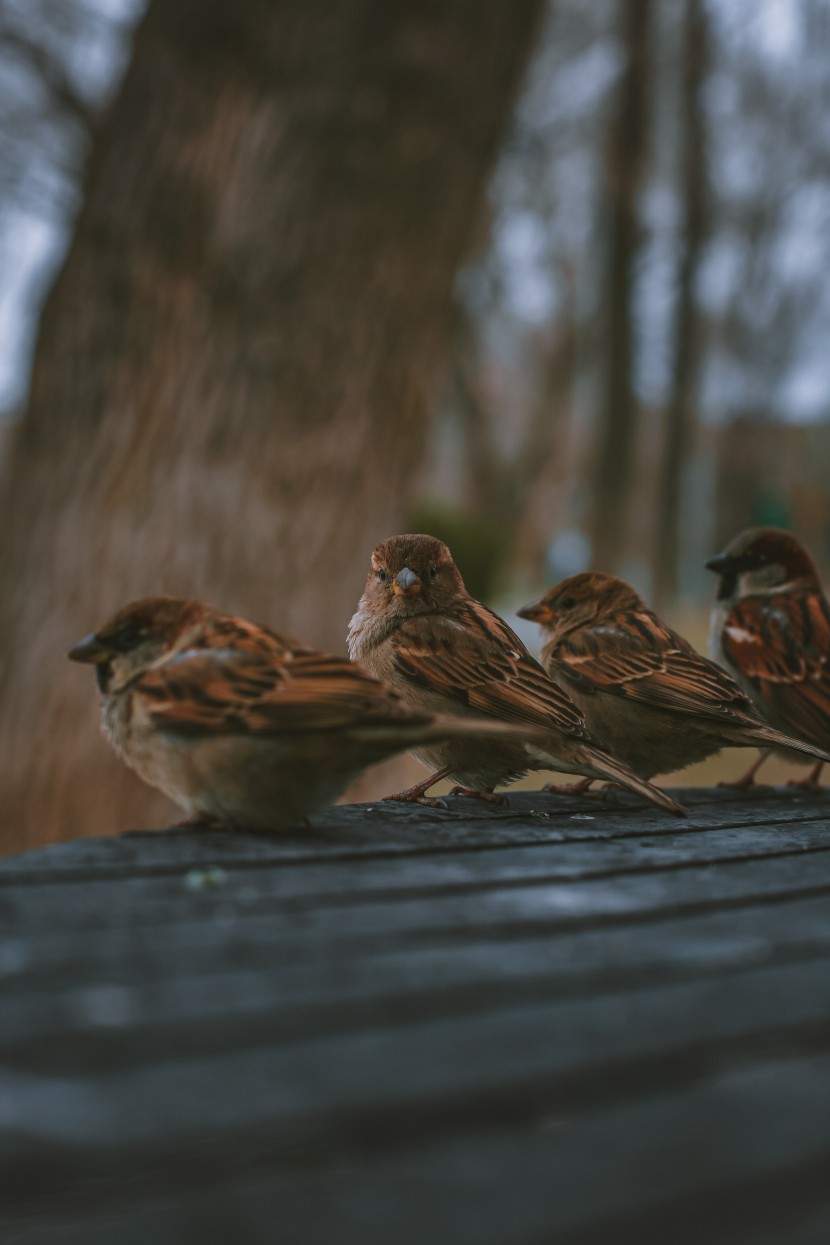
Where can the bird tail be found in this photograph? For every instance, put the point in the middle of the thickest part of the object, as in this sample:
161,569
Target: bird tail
434,728
610,768
769,737
603,765
450,726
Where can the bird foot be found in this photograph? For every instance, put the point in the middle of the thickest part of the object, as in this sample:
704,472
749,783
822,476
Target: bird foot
574,788
491,797
415,795
747,780
745,783
428,801
811,782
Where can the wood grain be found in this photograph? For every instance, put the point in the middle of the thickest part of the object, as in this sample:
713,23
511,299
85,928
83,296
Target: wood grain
569,1020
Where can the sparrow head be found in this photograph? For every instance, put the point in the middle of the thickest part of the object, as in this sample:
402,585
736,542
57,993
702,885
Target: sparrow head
762,559
581,600
140,636
413,575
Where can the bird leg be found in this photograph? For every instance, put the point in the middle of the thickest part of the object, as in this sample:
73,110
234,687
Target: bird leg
748,779
415,795
811,782
572,788
488,794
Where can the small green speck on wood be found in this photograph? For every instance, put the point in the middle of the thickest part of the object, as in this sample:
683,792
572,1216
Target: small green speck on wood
205,879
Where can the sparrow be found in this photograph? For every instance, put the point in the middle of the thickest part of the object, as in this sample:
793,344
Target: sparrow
770,628
419,630
240,725
657,702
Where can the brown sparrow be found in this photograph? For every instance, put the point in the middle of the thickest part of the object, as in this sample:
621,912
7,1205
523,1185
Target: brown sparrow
240,725
419,630
642,687
770,628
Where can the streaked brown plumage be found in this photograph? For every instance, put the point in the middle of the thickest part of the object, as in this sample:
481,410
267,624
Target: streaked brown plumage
770,628
419,630
643,688
238,724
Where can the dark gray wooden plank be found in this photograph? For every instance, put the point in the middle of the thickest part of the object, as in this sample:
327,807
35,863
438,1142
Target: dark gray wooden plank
391,986
110,1092
628,1174
402,1035
379,830
714,1162
511,913
99,904
794,1223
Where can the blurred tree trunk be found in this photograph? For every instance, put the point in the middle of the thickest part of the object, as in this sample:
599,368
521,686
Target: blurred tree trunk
680,412
227,392
617,424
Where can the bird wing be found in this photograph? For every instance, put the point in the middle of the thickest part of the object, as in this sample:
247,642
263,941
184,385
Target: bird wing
265,689
475,660
781,645
636,657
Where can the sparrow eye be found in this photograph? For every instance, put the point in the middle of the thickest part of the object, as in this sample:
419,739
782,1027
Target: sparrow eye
382,575
567,603
127,638
433,570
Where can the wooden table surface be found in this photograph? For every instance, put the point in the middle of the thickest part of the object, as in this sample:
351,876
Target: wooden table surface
565,1021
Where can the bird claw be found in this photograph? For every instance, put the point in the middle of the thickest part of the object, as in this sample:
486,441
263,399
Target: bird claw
811,782
747,779
473,793
574,788
428,801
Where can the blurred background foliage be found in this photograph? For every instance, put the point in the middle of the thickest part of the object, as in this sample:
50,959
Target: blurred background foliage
634,364
652,279
651,256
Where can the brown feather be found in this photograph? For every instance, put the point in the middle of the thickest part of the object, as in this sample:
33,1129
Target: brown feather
780,645
417,627
644,688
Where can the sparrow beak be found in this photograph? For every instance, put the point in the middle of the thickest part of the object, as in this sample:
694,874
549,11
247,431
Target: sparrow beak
536,612
406,583
720,564
89,650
